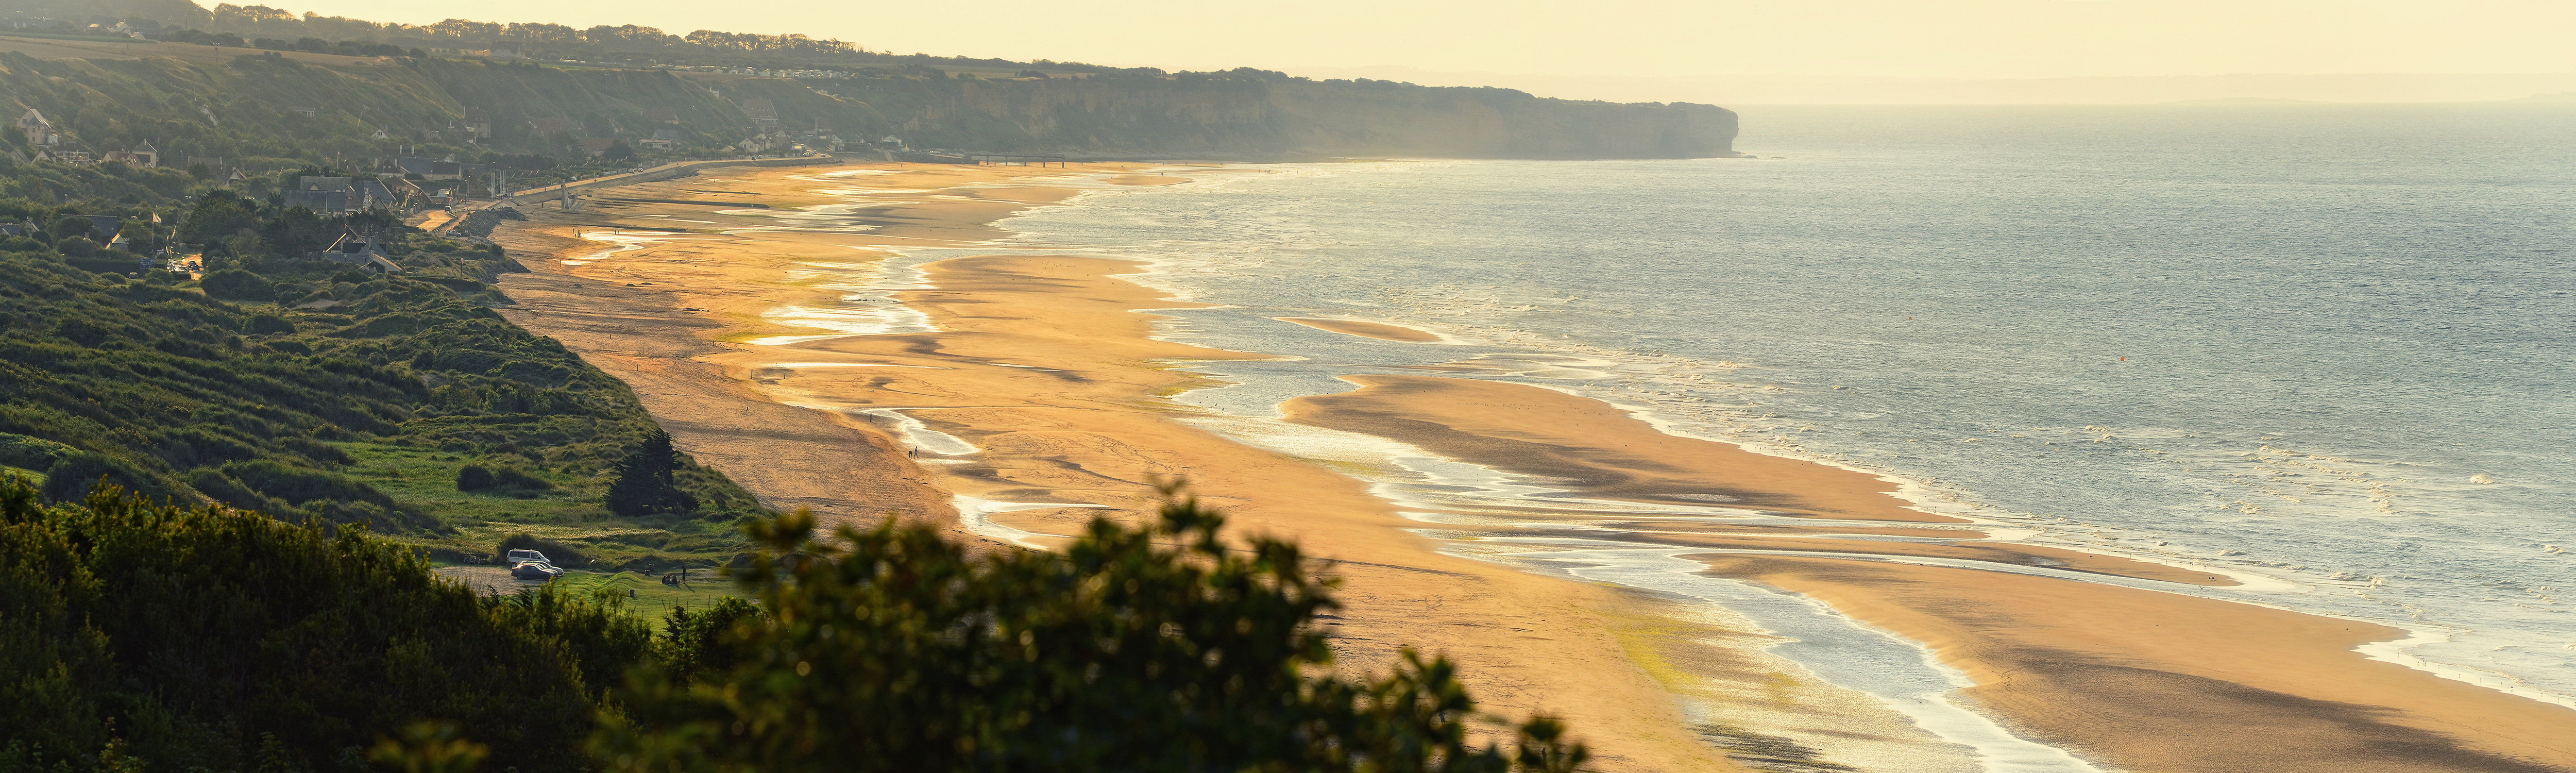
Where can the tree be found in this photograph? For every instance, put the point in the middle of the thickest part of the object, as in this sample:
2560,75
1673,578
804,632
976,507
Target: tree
216,217
1156,649
618,151
218,639
644,482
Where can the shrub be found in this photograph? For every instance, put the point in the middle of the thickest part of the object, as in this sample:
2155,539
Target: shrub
263,324
299,485
1157,649
223,488
220,640
474,478
29,453
644,482
513,478
234,284
70,477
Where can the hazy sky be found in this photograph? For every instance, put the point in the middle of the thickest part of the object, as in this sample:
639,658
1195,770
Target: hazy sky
1957,39
1587,42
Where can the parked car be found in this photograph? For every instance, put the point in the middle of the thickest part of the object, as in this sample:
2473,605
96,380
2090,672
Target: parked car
530,565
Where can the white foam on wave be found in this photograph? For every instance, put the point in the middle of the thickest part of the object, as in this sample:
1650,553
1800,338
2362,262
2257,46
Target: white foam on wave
620,241
1903,674
804,365
920,435
1418,482
977,516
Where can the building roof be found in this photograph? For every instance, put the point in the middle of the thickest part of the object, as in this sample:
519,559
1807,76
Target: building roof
320,201
104,225
322,183
146,147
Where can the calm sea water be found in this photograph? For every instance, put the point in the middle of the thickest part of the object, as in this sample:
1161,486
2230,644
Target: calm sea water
2332,347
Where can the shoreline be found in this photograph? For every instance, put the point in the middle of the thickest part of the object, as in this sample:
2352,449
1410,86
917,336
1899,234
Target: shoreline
986,310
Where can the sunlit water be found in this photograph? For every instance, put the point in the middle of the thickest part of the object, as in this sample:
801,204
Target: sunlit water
2327,346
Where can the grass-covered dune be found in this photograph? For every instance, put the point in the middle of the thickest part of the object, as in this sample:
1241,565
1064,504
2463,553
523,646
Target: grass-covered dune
310,390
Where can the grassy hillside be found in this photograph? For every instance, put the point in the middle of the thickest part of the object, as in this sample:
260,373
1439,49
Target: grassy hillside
311,391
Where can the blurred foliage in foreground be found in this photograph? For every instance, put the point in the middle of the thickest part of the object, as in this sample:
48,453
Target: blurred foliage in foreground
155,637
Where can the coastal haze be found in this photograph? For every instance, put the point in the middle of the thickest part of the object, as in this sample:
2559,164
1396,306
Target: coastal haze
2072,386
1853,52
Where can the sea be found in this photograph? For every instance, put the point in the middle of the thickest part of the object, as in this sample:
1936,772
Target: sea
2329,350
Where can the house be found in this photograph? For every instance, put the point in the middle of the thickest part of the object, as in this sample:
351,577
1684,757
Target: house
663,139
372,194
323,195
761,111
431,168
103,227
364,252
12,229
149,156
322,202
38,130
404,191
380,134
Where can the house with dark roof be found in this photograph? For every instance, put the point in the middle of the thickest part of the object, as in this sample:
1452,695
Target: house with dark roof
362,252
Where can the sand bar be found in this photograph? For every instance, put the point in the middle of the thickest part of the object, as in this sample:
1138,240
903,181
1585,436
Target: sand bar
2137,679
1044,367
1365,329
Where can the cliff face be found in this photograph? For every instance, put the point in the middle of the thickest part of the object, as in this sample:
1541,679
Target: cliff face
1258,117
241,106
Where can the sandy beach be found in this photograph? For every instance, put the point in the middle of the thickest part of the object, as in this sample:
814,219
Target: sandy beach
1012,395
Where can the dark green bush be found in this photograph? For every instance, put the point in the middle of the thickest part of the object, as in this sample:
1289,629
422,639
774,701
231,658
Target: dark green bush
514,478
474,477
201,446
214,640
234,284
70,477
299,485
264,324
1160,649
645,483
29,453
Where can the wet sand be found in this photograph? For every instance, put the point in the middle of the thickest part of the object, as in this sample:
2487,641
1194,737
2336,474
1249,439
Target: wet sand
1365,329
1599,449
1043,364
1046,367
2137,679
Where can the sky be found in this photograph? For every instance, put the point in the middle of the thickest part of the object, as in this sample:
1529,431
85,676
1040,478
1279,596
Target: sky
1610,41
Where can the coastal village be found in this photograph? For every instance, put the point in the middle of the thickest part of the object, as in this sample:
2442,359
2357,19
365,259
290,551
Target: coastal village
409,186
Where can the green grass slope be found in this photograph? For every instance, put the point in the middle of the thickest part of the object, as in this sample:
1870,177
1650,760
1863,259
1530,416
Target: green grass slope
312,391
